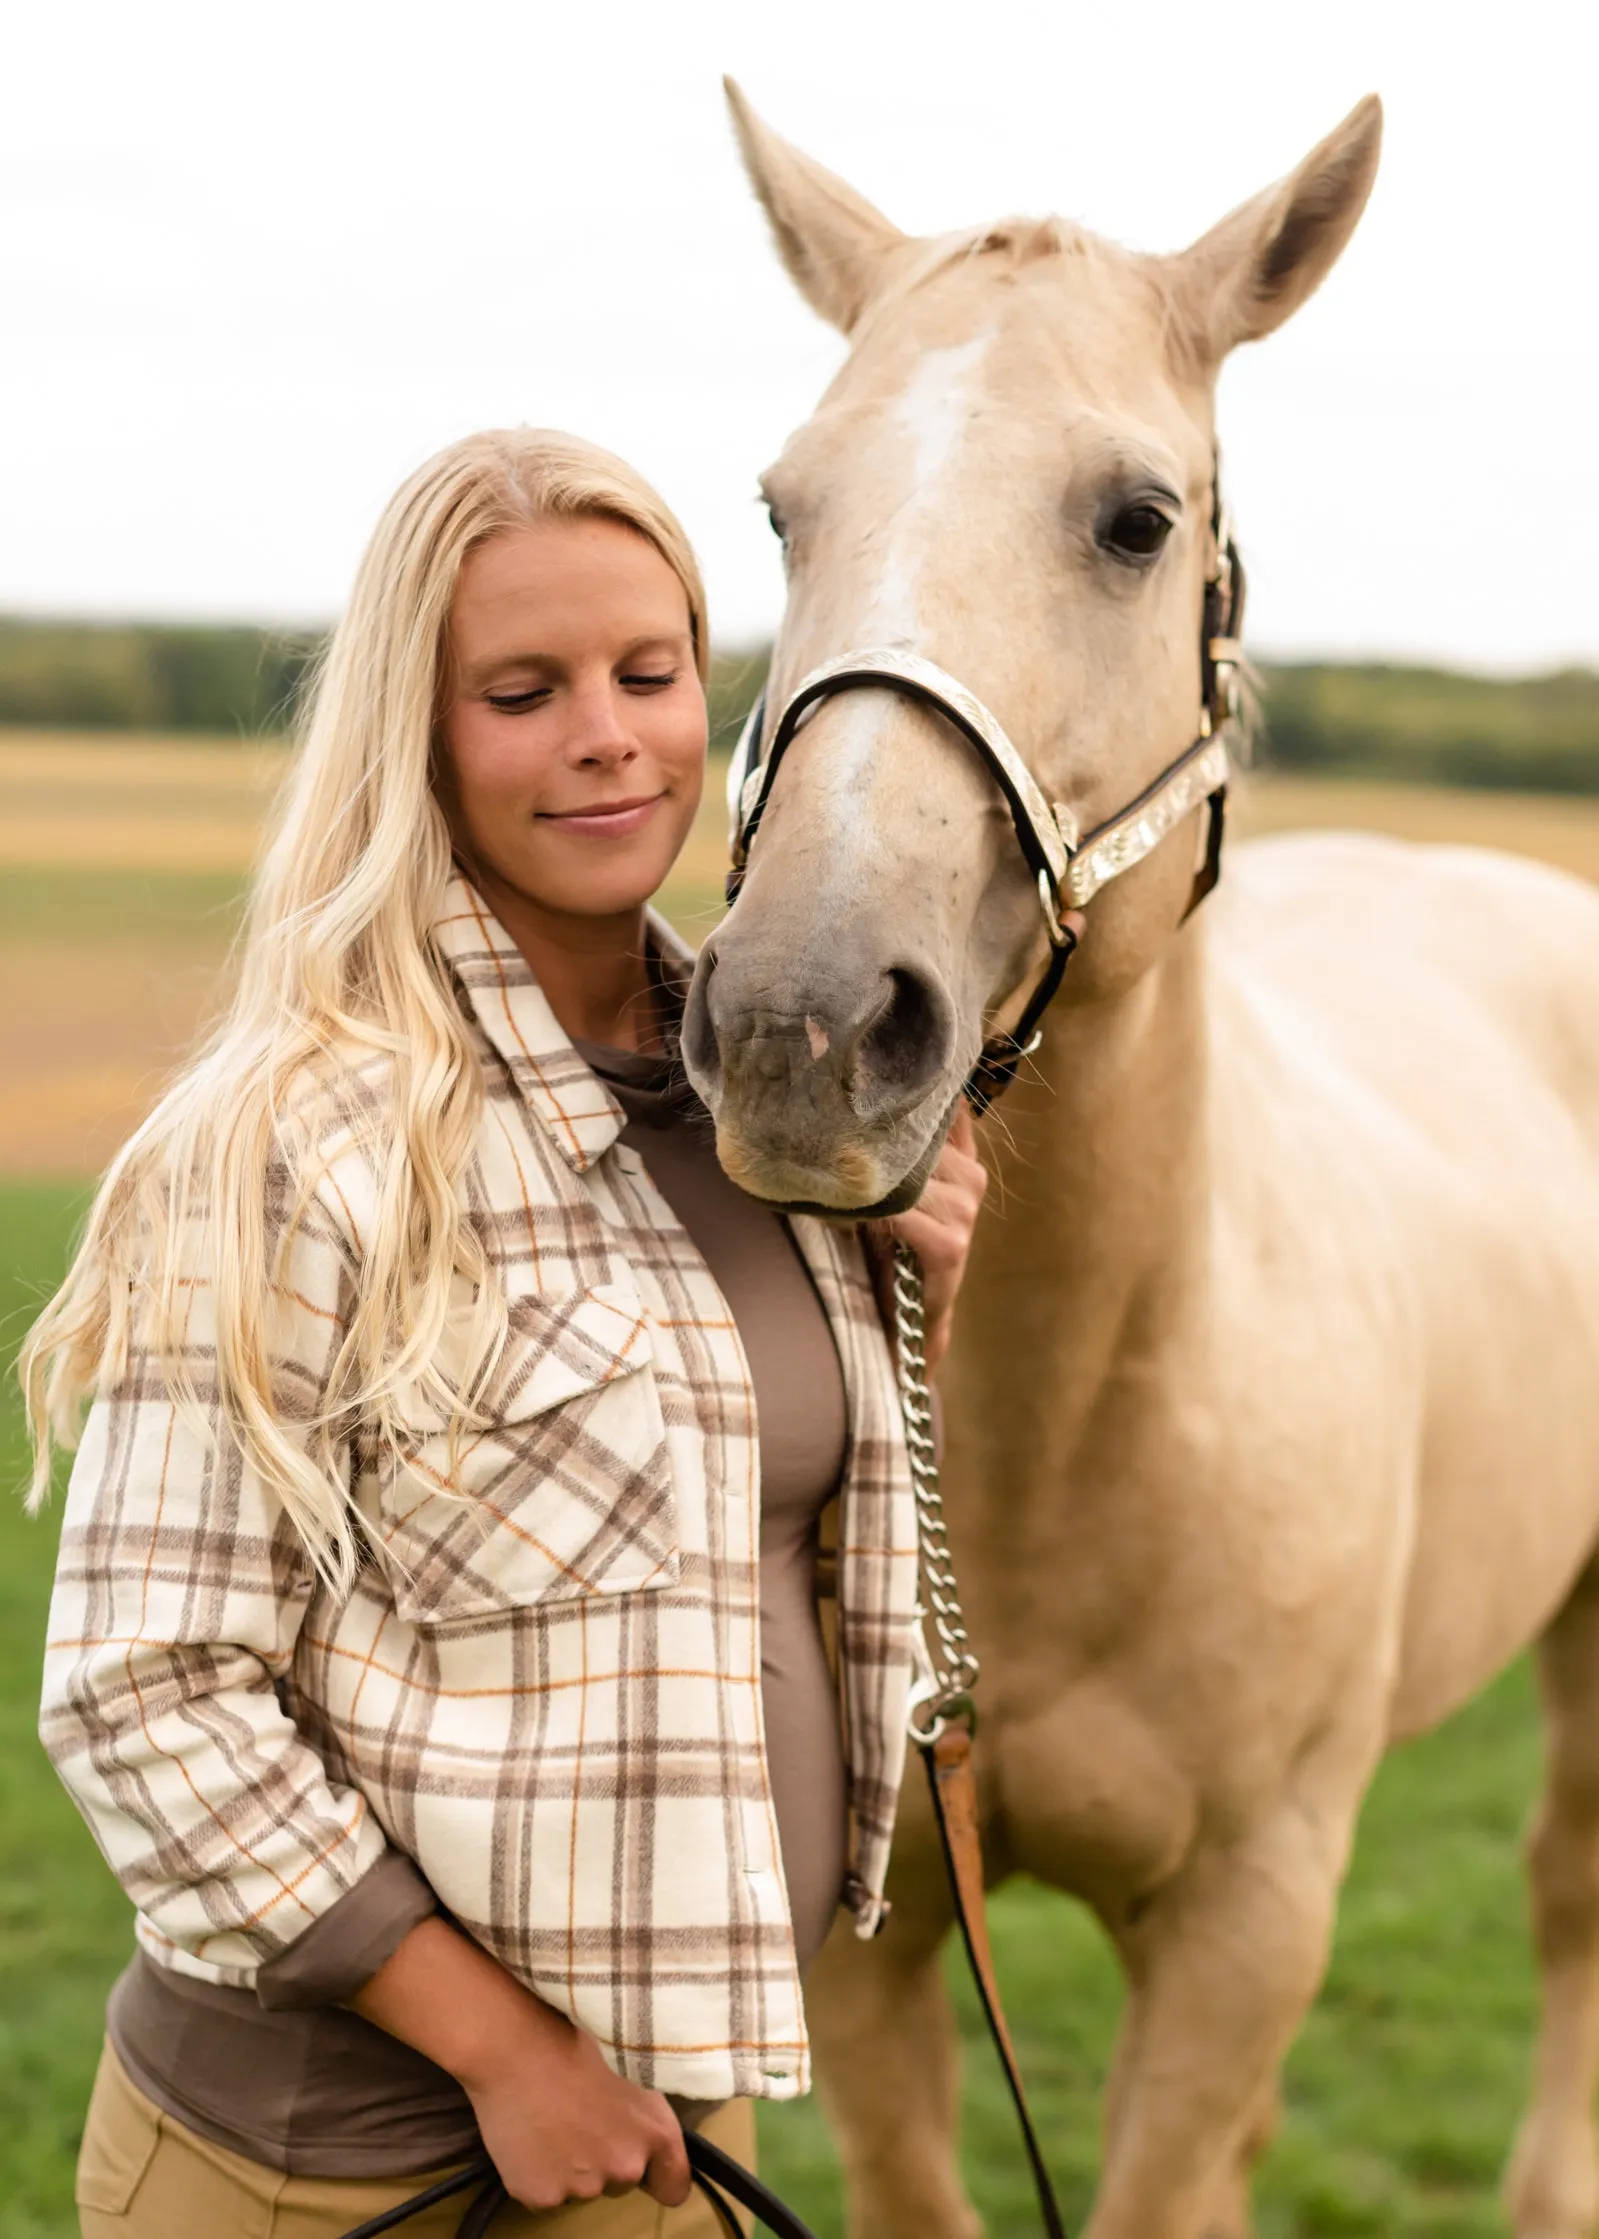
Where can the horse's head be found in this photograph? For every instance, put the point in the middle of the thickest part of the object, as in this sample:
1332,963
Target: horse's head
1012,476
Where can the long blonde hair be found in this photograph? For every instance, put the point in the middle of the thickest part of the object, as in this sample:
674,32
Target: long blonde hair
337,972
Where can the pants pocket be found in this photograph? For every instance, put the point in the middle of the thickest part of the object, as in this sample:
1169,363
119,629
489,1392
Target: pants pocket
120,2135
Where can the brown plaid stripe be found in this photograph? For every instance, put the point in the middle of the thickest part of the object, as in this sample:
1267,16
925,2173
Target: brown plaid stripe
545,1687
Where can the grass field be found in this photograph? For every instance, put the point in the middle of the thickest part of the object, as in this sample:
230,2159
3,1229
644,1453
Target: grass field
1404,2088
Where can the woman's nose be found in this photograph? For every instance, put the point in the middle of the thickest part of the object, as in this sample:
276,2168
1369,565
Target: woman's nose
600,729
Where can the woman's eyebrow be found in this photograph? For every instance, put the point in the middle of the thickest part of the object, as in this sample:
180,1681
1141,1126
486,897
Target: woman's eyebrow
492,664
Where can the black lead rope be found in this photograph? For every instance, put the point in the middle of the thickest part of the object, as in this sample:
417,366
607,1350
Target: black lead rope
725,2183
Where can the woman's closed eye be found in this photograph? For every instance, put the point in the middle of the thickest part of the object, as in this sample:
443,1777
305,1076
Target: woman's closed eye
533,695
513,703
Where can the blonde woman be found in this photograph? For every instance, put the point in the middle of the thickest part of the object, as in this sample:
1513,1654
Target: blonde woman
434,1651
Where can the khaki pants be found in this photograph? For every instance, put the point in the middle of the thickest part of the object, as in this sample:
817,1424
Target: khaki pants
141,2175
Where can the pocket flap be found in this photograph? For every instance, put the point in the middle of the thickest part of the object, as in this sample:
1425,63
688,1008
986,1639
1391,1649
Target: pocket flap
554,1349
558,1347
562,1490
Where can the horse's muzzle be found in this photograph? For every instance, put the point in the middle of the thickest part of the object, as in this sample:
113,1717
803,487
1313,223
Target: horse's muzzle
829,1087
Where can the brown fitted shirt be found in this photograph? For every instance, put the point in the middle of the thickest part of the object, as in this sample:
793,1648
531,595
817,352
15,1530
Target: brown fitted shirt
314,2089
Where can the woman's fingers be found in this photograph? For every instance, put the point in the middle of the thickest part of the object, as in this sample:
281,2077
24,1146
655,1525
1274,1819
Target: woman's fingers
939,1227
936,1244
668,2178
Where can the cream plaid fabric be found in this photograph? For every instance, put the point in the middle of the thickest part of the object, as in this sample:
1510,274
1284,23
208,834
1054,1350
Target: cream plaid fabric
547,1695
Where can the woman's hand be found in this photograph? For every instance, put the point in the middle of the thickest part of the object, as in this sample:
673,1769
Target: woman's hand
558,2123
940,1226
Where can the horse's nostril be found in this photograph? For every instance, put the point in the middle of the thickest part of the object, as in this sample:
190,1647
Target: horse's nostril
701,1049
906,1046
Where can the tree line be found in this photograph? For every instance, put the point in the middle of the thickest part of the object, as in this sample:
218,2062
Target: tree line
1370,719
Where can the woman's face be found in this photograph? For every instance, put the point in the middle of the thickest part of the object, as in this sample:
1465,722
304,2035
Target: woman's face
573,726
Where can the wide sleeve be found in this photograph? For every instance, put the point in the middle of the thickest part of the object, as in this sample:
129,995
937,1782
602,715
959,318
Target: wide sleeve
180,1592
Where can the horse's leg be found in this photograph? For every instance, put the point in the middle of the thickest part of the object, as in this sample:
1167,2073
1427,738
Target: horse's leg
1220,1971
1229,2212
884,2034
1552,2191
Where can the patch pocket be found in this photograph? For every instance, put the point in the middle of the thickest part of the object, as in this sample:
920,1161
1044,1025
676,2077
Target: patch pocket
564,1491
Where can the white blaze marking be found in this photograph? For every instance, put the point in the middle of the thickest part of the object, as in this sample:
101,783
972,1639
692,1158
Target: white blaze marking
933,414
934,410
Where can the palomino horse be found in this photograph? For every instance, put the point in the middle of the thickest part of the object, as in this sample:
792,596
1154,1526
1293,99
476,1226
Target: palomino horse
1273,1419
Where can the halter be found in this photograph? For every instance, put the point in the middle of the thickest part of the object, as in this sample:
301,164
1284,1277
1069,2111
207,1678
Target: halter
1069,866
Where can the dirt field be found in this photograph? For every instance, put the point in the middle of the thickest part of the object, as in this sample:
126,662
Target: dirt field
122,862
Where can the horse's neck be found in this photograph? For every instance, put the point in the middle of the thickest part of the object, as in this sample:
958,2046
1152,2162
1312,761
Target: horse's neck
1093,1246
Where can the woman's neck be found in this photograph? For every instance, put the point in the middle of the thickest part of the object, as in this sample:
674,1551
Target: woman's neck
594,971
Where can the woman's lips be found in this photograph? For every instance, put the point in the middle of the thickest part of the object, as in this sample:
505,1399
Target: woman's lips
611,820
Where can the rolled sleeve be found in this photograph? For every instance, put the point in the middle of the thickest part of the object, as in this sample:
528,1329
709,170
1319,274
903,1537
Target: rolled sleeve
180,1591
344,1948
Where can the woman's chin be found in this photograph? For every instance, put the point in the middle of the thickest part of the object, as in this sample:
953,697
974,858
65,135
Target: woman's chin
611,883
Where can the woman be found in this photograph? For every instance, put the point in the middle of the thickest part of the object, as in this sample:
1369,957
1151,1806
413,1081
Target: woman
434,1651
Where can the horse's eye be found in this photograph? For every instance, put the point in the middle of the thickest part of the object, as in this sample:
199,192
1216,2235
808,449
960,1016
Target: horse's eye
779,529
1137,532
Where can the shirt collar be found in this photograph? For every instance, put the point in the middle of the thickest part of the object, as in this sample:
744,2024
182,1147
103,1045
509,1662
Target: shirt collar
510,1006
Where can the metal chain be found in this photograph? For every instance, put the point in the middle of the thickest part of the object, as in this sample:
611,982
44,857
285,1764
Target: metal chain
946,1668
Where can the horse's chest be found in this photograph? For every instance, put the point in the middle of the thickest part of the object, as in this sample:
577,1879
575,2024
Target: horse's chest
1083,1793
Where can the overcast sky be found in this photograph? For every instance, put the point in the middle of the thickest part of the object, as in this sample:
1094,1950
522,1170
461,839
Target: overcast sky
256,262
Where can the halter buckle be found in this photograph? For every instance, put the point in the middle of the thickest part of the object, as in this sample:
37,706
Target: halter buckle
1226,653
1049,902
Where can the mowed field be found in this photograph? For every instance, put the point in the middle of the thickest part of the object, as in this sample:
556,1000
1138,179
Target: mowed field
121,869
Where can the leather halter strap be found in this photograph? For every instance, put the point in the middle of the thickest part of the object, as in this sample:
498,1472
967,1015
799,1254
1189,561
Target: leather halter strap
1068,865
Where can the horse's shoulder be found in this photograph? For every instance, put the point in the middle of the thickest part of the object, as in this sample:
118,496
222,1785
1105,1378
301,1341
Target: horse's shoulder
1415,973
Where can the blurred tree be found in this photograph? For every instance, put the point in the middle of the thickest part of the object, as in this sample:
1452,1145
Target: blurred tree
148,676
1419,725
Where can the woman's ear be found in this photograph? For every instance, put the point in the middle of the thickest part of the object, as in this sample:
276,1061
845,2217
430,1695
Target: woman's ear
1254,270
832,241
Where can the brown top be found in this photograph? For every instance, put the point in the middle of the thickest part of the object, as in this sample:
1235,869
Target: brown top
289,2077
799,1404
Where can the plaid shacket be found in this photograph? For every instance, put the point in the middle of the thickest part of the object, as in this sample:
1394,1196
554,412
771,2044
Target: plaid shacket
547,1694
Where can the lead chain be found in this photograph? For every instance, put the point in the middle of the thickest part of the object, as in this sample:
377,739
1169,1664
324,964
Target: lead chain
948,1668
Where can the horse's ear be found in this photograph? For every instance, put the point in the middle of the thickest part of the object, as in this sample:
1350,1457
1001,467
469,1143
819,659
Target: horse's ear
1248,274
830,238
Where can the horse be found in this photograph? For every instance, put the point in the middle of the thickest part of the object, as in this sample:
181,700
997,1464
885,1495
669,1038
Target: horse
1272,1420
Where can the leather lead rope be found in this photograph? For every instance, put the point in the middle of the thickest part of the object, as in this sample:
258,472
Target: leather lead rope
952,1777
943,1716
724,2183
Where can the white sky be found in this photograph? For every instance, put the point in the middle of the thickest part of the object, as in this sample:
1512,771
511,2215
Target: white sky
257,261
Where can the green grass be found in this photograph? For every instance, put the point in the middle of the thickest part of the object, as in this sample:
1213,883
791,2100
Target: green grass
52,904
63,1923
1403,2090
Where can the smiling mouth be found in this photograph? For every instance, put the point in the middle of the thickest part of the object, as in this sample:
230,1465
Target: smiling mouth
607,819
